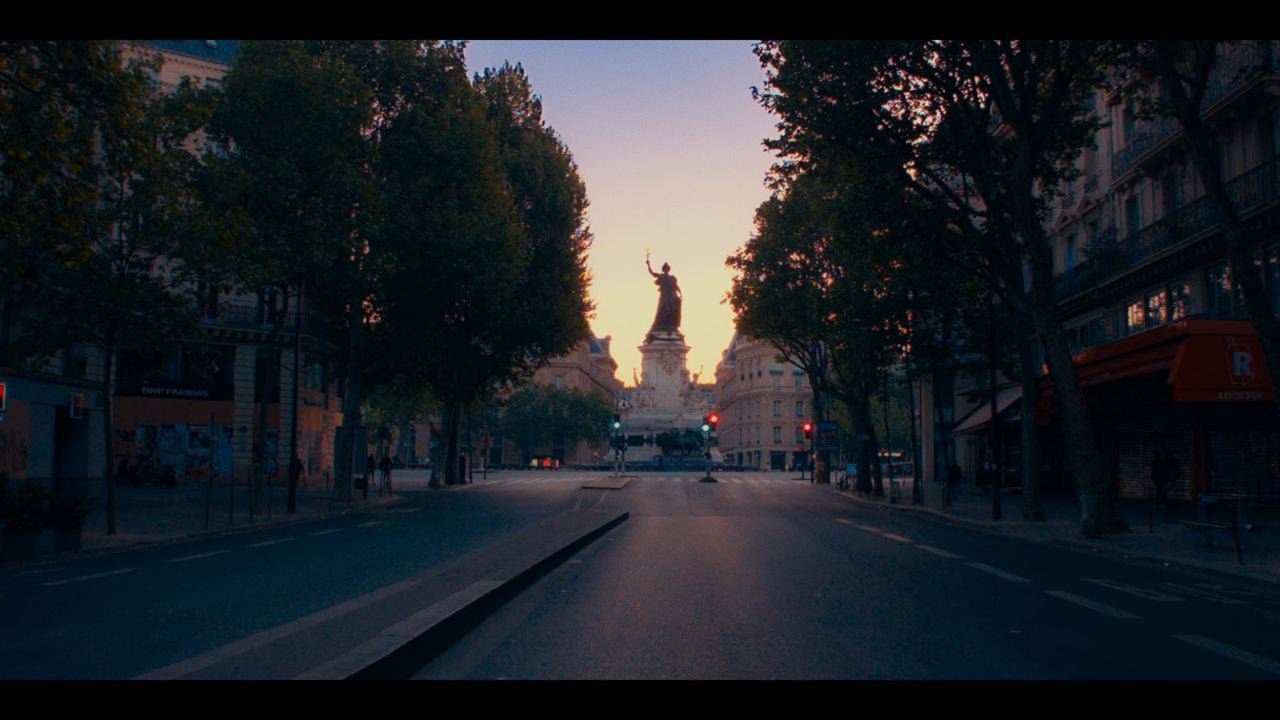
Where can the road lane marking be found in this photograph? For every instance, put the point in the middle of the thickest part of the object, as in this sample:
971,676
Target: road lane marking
371,523
271,542
1203,595
38,572
868,528
938,552
842,520
998,572
1094,606
326,532
1244,656
736,480
1131,590
899,538
217,655
89,577
197,557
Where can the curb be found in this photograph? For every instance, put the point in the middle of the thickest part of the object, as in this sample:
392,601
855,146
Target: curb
232,530
1078,544
402,649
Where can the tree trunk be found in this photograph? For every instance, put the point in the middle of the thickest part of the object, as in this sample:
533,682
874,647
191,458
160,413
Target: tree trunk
108,470
817,416
452,429
269,390
351,400
1084,460
1032,507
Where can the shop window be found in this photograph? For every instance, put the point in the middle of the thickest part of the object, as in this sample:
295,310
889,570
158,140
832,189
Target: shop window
1133,317
1157,309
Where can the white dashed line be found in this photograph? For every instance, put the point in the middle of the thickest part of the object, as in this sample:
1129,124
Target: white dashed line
1131,590
1203,595
939,553
1094,606
1244,656
998,572
371,523
197,557
326,532
842,520
899,538
868,528
271,542
89,577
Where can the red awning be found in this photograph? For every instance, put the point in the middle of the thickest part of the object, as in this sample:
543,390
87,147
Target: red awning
1203,361
1222,362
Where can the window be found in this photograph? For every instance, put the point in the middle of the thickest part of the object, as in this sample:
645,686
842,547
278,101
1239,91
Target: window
777,408
799,408
1157,309
267,363
1133,213
1073,339
799,436
313,376
777,435
1097,333
1272,277
1179,300
1069,253
1133,318
1217,292
268,306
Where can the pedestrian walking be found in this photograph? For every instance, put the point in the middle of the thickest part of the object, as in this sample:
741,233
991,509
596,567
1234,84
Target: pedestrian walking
370,466
386,472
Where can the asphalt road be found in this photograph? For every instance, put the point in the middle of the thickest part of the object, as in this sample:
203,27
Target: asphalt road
121,614
756,578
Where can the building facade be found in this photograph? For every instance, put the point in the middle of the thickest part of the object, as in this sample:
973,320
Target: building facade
1161,340
764,402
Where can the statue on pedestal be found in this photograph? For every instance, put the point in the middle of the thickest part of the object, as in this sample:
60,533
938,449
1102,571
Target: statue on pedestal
667,318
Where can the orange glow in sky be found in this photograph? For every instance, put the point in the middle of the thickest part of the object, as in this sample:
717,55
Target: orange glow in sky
668,140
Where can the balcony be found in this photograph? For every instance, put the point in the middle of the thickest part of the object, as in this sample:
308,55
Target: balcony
249,316
1106,257
1231,73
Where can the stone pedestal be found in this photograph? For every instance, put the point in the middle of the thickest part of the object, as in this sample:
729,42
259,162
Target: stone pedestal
664,373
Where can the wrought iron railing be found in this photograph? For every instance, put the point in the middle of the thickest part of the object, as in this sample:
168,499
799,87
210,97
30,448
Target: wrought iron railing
1106,257
1232,71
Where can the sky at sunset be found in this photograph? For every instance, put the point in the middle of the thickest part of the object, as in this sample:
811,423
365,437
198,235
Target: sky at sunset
668,141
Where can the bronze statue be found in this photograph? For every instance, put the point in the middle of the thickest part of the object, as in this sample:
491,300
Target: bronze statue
668,316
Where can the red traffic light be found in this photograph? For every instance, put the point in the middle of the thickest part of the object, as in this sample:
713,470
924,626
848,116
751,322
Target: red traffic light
808,429
1,396
714,419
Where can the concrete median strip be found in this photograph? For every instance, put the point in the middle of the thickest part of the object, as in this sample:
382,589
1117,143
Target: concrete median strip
396,652
411,634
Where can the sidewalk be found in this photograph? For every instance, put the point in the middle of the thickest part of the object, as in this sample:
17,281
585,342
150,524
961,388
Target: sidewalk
151,515
1159,537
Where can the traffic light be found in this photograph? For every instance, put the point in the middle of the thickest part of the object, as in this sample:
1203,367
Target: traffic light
713,419
1,397
808,430
617,422
706,425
